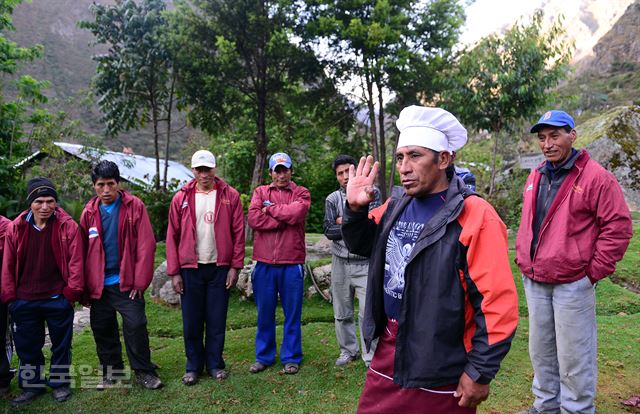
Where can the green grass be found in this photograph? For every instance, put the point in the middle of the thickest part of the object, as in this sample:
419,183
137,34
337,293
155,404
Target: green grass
322,388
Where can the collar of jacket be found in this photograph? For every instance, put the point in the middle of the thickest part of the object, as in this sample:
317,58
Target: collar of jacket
579,162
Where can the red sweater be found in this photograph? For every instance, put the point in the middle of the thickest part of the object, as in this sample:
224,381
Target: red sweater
67,245
228,225
279,237
136,245
585,232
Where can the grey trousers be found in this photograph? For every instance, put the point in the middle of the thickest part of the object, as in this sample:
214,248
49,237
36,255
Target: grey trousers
563,346
348,281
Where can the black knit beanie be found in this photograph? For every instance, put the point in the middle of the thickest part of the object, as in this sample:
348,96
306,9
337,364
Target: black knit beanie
40,187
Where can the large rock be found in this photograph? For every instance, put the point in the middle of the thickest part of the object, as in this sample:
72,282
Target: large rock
613,139
168,295
160,279
319,249
244,282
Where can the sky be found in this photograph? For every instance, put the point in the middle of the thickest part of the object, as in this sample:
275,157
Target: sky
487,16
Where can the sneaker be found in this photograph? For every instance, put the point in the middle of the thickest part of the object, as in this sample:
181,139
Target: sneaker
148,380
26,397
190,378
345,358
106,383
61,394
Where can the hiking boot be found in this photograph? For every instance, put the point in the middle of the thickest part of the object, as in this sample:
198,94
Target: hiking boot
148,380
345,358
61,394
106,383
26,397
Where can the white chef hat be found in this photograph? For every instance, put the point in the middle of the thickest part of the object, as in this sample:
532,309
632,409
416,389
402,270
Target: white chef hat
432,128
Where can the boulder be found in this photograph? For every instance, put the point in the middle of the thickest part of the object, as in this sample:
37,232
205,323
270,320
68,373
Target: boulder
168,295
319,250
160,279
613,140
244,282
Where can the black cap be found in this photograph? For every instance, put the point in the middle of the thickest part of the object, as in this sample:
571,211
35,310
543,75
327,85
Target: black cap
40,187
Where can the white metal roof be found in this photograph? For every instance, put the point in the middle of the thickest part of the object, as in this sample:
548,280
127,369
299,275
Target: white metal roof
133,168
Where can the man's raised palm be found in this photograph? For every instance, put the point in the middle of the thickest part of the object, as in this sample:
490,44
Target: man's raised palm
360,190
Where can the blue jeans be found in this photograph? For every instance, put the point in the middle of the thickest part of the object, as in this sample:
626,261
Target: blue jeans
269,281
27,323
563,345
204,303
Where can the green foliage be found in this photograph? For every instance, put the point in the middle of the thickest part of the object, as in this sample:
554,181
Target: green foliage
157,203
507,199
504,79
238,63
24,123
392,47
135,79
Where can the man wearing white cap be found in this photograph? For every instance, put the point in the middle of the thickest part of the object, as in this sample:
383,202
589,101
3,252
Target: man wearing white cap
205,251
440,296
277,215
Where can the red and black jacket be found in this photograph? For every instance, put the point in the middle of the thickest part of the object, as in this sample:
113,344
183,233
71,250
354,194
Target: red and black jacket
459,309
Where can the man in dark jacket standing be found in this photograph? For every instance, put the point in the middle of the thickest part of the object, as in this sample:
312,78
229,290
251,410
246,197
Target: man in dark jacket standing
575,226
277,215
205,252
42,276
120,250
440,296
348,271
5,368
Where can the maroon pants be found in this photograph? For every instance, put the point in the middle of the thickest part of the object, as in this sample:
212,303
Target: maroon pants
381,395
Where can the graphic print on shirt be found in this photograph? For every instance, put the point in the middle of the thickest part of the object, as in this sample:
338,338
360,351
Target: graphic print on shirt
208,217
400,243
399,247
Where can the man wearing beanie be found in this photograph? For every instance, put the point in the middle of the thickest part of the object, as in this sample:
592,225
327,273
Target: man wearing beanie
441,299
42,276
575,227
118,269
205,252
277,213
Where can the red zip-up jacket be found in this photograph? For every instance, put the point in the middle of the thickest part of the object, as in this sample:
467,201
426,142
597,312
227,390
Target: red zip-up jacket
136,245
68,252
4,223
279,237
228,225
585,232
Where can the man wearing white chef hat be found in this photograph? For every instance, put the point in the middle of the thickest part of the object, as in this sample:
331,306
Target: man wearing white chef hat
440,296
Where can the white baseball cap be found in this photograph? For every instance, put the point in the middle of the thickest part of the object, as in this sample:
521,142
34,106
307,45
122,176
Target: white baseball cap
203,158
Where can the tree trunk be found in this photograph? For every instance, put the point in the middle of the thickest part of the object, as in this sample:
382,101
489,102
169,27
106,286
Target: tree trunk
494,156
156,144
392,175
169,110
372,113
382,172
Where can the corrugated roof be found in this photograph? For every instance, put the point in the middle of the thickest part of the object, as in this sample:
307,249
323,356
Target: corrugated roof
133,168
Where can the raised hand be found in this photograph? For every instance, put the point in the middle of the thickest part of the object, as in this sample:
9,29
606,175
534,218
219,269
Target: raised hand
360,186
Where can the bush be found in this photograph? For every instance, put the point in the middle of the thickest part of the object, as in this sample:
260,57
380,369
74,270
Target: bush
507,200
157,203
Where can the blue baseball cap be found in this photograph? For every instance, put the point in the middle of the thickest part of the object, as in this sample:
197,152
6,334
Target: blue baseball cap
554,118
279,158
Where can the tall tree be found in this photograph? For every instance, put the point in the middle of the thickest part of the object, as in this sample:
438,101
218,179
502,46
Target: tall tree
506,78
135,80
237,57
19,117
390,46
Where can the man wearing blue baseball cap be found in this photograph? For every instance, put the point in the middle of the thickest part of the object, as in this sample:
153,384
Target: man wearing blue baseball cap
277,215
575,226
